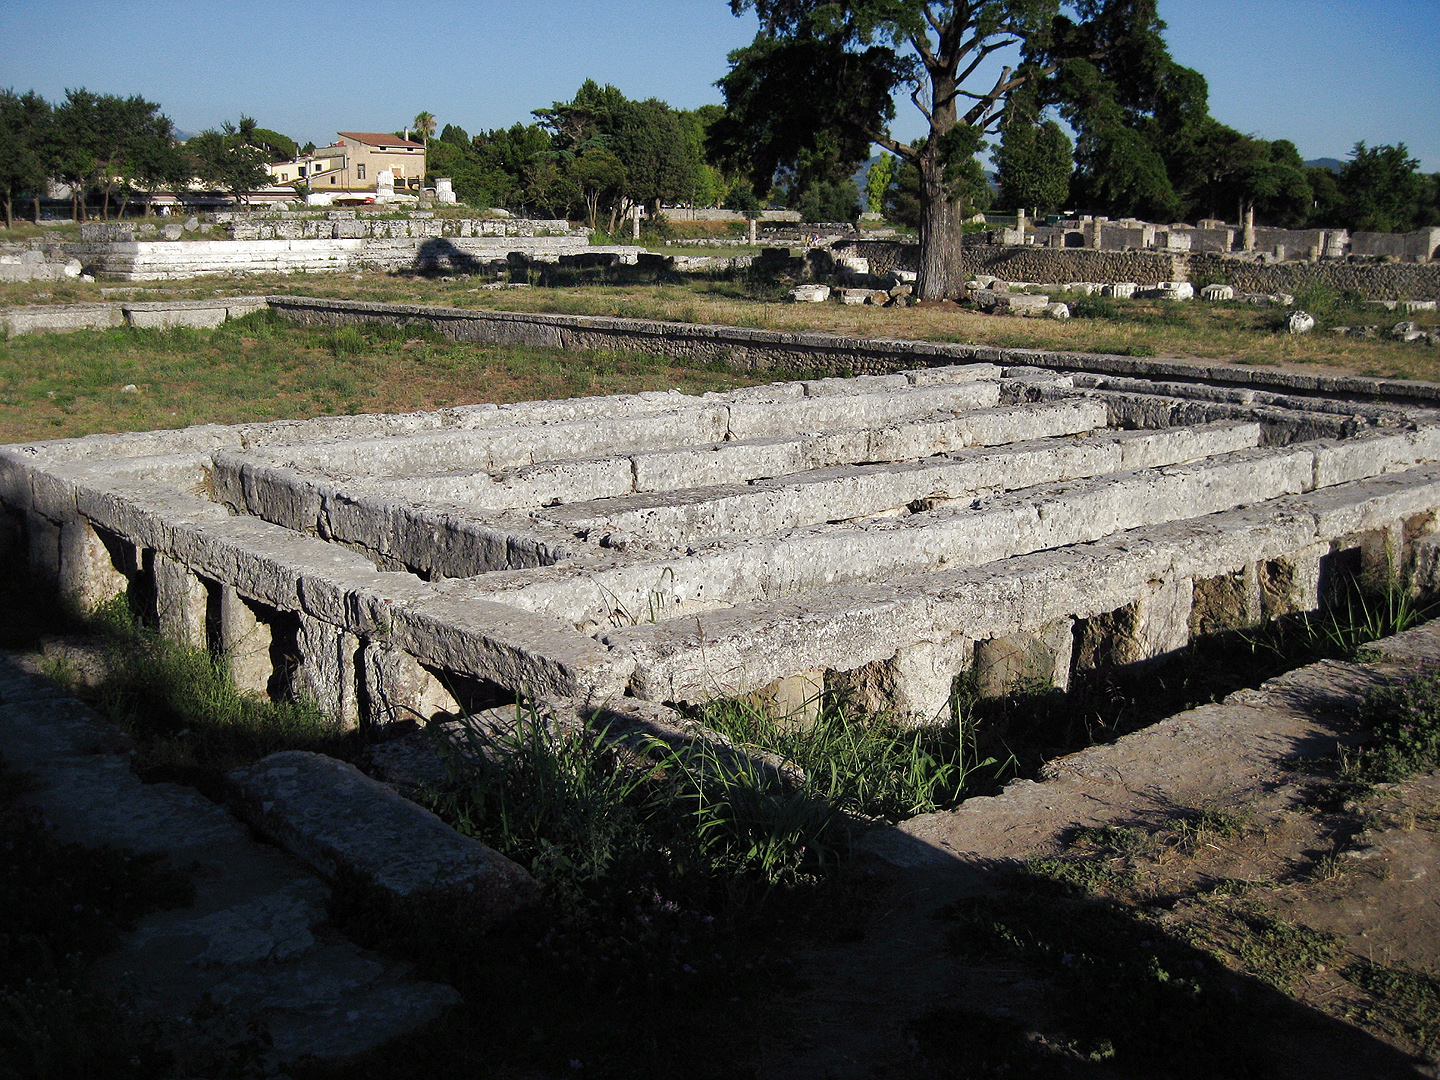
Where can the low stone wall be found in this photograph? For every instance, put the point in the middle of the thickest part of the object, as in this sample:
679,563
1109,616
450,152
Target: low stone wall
147,261
1071,264
60,318
1373,281
712,213
365,228
1421,244
744,348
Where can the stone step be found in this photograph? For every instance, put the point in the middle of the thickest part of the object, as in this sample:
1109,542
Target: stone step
735,462
934,619
859,491
255,941
744,569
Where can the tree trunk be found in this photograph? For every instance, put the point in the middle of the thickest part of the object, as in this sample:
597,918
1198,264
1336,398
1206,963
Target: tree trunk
9,216
36,197
941,276
942,217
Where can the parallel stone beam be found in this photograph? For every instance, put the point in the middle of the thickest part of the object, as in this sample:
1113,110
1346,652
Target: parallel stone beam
743,648
741,570
847,492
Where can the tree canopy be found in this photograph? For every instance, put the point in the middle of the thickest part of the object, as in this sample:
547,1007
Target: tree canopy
817,86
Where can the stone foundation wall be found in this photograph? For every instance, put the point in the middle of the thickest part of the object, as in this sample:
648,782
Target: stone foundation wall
1374,281
1071,264
877,536
745,348
147,261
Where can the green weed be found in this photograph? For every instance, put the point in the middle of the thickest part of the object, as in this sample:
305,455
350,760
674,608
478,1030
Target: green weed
1123,989
1280,952
1403,722
873,766
1082,876
1404,1002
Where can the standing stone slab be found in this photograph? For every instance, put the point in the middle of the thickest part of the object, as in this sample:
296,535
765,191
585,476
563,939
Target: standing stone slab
341,822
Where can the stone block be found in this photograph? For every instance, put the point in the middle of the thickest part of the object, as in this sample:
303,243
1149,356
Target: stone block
398,688
88,572
1218,292
244,642
341,822
795,699
1026,661
812,294
327,671
181,602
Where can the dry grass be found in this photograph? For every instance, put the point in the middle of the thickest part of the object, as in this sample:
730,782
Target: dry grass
65,385
261,368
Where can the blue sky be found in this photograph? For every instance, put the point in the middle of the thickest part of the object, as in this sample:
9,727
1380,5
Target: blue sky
1324,75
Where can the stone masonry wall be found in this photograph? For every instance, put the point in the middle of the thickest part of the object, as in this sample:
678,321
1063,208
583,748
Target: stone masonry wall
1071,264
784,352
1374,281
1028,263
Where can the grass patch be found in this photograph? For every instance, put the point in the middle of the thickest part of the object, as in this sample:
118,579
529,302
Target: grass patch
1280,952
1403,722
261,367
871,765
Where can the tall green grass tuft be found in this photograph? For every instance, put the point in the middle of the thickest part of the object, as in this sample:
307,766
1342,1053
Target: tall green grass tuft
587,820
872,766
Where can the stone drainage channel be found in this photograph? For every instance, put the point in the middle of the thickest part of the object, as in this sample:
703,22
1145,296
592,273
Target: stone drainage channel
881,535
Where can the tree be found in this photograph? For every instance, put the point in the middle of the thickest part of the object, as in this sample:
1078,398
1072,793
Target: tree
277,147
829,201
224,158
647,136
935,51
424,125
877,183
24,125
1384,191
1033,160
601,177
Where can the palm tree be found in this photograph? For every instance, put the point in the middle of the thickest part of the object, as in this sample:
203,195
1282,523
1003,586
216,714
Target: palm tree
424,125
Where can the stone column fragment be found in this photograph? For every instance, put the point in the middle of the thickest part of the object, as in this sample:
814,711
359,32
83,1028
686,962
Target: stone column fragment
87,573
397,687
327,669
181,599
244,643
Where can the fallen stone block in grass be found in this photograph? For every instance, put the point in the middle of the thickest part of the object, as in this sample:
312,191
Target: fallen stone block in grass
346,825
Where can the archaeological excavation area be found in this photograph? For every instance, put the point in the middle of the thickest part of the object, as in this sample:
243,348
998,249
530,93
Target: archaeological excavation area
876,536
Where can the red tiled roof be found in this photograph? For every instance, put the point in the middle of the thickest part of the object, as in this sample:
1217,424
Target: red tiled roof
371,138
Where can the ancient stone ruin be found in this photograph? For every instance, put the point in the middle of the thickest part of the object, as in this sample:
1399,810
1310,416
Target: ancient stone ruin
879,535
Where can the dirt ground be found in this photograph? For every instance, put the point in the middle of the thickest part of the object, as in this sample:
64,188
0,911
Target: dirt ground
1221,853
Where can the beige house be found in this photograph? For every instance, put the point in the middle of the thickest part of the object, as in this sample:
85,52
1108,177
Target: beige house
353,161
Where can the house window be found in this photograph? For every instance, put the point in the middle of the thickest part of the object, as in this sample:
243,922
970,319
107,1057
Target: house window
301,172
332,179
360,171
284,176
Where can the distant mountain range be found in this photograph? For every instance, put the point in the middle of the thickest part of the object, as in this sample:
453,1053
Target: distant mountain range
1333,164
